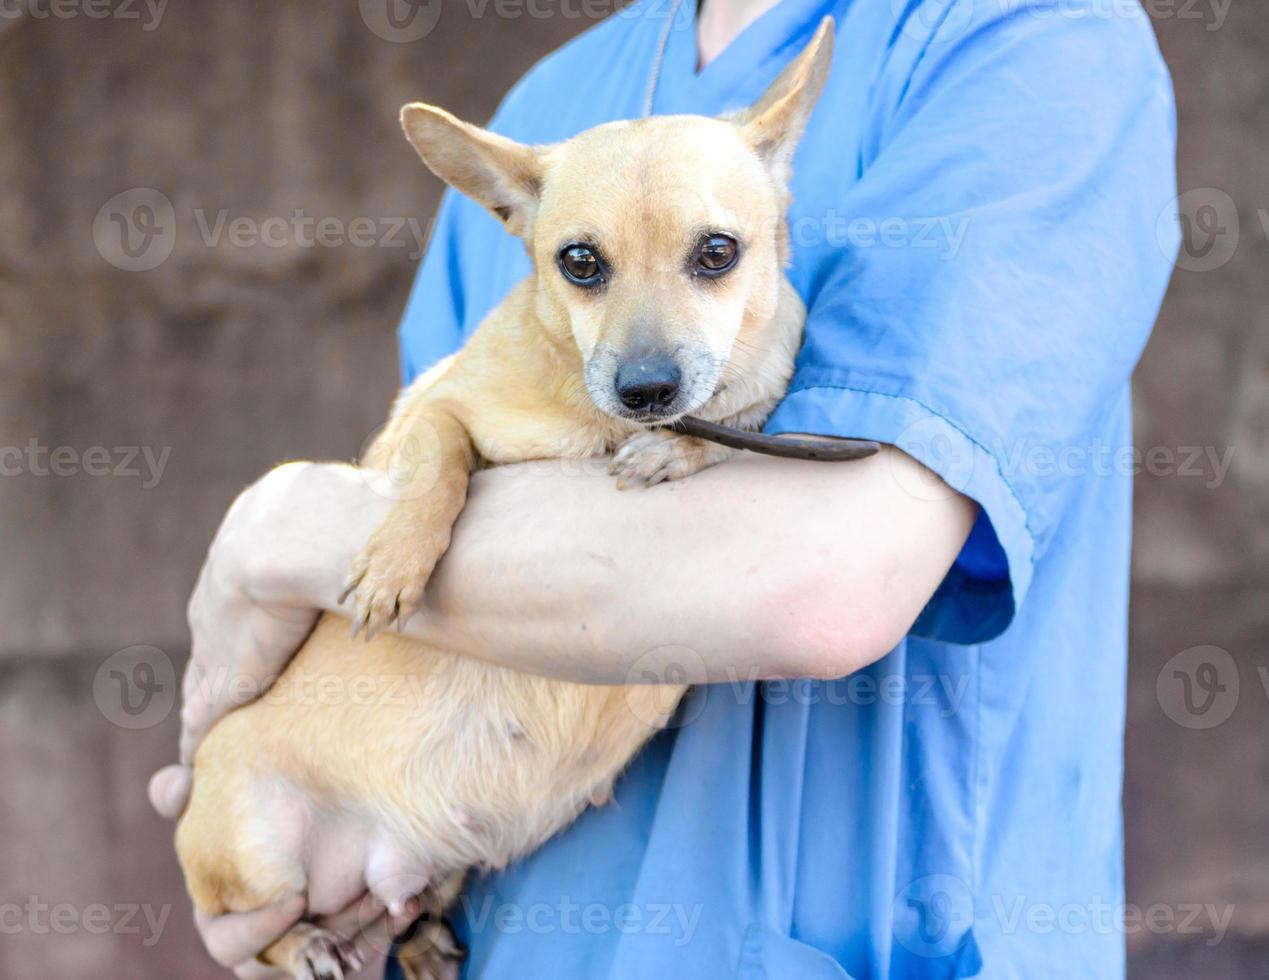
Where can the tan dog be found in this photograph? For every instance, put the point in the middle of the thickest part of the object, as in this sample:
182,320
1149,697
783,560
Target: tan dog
658,248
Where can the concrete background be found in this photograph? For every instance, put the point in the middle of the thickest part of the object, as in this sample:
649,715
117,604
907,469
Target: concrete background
232,358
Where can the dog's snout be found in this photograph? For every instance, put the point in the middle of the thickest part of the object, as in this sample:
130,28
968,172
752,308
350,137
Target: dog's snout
648,383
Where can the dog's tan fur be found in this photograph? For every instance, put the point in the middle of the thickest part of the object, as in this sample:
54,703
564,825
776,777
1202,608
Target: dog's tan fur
441,763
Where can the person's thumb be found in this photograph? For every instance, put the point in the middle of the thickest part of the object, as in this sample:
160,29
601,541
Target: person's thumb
169,790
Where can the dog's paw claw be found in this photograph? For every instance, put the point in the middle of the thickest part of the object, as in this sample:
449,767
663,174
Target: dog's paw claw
432,953
350,586
386,583
327,957
655,456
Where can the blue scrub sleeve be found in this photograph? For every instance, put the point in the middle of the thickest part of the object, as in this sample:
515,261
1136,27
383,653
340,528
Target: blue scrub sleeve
1002,255
431,327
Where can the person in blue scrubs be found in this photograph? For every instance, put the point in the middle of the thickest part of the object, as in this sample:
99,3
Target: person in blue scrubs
980,233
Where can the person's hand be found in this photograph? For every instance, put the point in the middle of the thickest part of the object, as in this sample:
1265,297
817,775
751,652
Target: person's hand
280,556
236,940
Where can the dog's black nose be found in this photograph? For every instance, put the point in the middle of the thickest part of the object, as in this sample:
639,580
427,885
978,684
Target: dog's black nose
648,382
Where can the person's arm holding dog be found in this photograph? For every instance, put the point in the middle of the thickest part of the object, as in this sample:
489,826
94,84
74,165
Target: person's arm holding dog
833,565
765,568
545,564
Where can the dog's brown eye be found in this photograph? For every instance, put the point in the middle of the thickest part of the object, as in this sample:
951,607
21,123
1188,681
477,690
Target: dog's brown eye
580,264
716,254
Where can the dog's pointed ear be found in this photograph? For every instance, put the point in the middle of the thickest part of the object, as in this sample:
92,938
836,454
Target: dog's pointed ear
773,125
503,175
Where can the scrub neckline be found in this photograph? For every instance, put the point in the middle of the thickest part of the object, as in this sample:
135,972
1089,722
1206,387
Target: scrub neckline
681,88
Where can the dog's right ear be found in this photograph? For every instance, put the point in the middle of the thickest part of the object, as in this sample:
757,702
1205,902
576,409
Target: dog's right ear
503,175
773,125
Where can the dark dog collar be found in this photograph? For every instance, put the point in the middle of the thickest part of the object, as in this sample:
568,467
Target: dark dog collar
825,449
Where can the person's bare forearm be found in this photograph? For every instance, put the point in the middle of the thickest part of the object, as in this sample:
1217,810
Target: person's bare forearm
754,569
757,568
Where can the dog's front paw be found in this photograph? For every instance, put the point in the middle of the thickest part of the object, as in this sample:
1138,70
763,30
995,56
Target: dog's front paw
389,575
652,457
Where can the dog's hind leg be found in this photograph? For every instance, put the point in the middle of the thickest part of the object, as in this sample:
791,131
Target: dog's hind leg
429,950
310,952
241,850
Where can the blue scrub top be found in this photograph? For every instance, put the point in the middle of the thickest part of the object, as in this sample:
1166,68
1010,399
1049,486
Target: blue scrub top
981,232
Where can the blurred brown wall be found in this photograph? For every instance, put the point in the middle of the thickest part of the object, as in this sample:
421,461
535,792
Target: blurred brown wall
229,358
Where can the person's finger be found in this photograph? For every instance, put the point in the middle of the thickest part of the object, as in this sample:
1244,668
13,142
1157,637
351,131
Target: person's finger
197,710
210,694
235,939
169,790
255,970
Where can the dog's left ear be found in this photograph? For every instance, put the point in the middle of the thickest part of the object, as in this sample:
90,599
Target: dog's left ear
503,175
773,125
